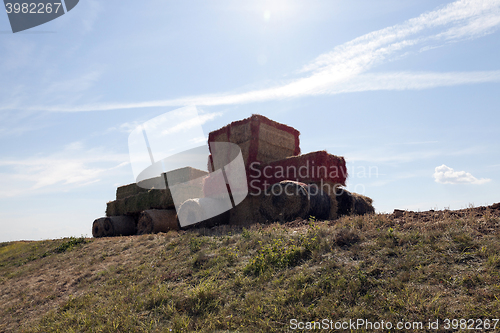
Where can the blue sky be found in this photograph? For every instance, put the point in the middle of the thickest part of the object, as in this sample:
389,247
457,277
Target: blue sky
407,91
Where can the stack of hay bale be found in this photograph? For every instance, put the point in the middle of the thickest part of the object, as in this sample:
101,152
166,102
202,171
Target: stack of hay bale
139,210
273,163
282,185
261,141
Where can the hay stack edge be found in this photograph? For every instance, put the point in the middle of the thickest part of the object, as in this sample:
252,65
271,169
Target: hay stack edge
276,191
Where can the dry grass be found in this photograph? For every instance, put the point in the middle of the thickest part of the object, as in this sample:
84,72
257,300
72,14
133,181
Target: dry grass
409,267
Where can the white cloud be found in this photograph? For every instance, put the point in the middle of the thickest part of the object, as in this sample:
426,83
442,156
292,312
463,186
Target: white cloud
446,175
72,167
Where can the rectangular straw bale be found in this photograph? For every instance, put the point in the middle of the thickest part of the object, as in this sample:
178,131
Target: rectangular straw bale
153,199
111,209
245,151
241,132
180,175
265,152
269,152
157,183
214,186
186,174
115,208
277,137
222,135
260,139
128,190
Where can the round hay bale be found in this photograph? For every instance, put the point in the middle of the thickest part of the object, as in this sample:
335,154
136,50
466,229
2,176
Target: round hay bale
194,213
285,201
122,225
190,212
362,205
98,227
320,203
157,220
329,189
247,212
344,201
108,227
114,226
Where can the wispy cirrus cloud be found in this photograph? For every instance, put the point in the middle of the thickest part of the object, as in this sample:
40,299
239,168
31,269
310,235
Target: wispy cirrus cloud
72,167
464,19
345,68
362,82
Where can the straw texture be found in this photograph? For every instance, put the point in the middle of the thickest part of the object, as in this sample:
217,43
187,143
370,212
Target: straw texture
157,220
152,199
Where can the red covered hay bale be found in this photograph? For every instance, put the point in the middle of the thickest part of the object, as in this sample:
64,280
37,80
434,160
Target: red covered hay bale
260,139
315,167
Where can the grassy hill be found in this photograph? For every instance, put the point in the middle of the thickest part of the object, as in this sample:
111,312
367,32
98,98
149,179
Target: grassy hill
400,268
